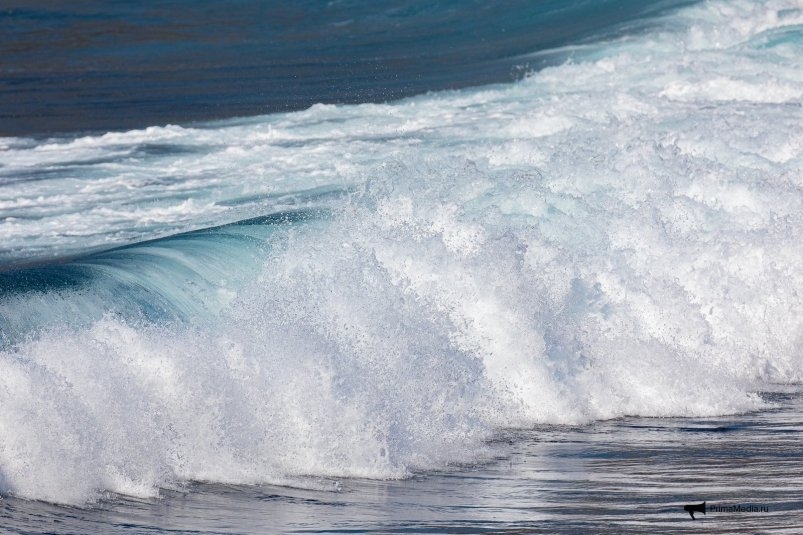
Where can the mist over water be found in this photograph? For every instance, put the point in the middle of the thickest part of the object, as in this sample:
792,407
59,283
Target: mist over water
618,235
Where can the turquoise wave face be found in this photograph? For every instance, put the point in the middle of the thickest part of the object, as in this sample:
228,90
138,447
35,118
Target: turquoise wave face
181,278
616,235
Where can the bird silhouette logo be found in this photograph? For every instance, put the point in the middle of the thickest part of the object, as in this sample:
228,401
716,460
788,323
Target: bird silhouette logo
694,508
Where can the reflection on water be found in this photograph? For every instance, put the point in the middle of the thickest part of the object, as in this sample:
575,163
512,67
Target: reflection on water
631,475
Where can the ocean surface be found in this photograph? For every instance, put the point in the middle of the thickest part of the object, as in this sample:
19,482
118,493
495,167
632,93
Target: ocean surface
401,266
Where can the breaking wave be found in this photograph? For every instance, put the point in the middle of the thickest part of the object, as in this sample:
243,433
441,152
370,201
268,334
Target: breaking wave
617,235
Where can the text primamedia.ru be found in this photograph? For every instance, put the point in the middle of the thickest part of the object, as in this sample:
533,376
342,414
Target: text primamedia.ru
738,509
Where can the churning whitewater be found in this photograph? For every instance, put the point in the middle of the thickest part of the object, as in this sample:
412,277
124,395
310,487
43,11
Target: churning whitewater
618,235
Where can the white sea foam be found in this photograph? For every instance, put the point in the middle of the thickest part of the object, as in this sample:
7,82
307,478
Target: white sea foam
618,235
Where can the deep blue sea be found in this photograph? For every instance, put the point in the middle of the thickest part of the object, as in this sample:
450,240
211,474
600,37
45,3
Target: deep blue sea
401,266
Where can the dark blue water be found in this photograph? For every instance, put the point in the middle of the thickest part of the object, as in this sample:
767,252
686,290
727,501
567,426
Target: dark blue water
90,65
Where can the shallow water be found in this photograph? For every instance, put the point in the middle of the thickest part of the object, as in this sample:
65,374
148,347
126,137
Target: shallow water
628,475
